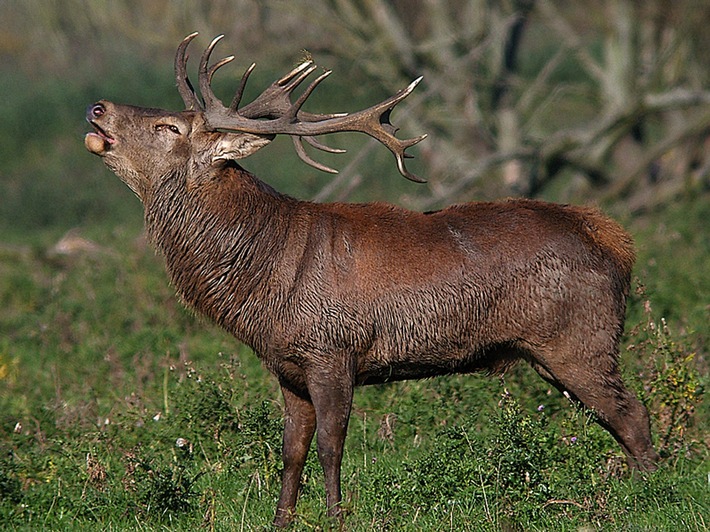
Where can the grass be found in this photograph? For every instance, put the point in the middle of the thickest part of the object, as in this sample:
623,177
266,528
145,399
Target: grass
120,409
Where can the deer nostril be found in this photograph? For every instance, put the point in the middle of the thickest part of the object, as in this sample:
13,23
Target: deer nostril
97,110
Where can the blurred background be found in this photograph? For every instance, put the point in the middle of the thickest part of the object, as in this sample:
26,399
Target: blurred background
603,102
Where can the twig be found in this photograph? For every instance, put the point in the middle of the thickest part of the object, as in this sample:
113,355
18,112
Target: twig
563,501
246,500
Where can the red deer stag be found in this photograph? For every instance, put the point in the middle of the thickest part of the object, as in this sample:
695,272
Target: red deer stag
331,296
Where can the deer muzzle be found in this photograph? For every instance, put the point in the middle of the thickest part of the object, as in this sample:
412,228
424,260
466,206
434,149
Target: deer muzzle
97,141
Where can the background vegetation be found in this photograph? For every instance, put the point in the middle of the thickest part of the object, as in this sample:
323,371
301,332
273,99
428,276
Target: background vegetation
119,409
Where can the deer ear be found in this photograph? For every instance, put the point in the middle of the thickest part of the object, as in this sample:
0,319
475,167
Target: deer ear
232,146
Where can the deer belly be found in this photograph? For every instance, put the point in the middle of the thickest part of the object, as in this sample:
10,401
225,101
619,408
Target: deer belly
493,357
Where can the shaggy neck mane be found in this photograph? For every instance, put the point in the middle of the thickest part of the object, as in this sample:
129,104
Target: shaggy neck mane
221,240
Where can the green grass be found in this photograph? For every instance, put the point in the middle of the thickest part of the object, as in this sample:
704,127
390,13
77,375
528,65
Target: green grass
102,372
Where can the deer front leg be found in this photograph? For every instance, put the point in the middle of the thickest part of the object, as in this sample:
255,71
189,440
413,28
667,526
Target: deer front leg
299,426
331,391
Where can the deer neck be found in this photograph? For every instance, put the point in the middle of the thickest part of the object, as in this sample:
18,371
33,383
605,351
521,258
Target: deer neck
221,243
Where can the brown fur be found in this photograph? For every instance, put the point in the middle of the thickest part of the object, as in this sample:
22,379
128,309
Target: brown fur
331,296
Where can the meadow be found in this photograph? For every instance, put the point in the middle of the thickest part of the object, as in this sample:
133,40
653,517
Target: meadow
119,409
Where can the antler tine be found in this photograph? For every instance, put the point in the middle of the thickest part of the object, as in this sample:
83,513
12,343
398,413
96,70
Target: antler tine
301,152
217,65
296,106
187,92
242,85
205,74
294,78
275,100
320,146
311,117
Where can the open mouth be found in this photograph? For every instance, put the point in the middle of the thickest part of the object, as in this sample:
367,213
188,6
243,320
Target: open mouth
101,133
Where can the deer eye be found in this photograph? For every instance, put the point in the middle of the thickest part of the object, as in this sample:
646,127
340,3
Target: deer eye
167,127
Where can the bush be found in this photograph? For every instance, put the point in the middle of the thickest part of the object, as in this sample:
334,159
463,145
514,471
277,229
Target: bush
672,386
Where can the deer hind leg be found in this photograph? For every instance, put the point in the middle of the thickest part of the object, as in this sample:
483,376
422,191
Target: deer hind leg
299,427
595,381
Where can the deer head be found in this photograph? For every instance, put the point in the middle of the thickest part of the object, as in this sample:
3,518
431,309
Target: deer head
142,145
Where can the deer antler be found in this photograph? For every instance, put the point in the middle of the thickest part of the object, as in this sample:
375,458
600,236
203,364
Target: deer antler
183,82
286,117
